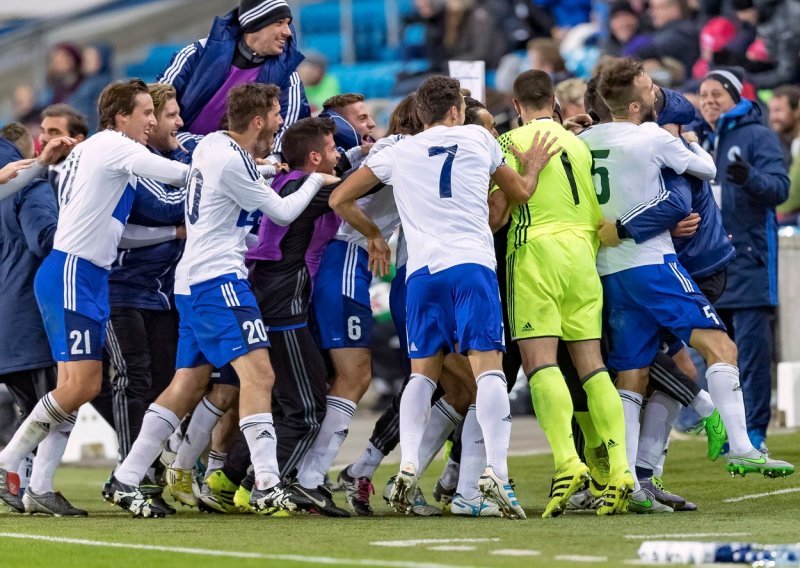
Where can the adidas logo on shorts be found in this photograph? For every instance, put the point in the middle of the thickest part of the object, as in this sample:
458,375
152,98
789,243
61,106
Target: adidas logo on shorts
413,347
527,327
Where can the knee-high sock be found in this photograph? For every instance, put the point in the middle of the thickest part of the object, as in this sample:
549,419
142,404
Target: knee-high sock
158,425
590,436
444,419
726,392
608,417
632,408
367,462
415,411
259,432
47,415
659,415
473,456
49,455
493,411
332,433
553,405
215,461
198,434
658,471
703,404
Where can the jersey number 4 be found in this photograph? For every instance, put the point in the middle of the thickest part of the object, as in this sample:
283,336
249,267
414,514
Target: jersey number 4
445,178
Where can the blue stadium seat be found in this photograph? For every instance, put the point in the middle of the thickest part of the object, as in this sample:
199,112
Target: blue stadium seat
320,18
329,44
154,63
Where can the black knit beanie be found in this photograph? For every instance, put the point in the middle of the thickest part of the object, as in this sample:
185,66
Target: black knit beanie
257,14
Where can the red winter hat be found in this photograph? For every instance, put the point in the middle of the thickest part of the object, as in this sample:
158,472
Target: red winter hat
717,33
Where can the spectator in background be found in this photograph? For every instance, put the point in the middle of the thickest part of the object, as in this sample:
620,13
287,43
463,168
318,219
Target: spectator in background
675,32
784,119
319,84
253,43
777,25
23,101
64,72
542,54
722,42
570,95
752,176
61,120
96,70
625,27
566,13
27,226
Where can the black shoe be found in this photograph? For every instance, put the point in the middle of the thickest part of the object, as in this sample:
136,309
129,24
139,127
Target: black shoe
278,497
50,503
130,498
155,493
320,499
9,490
357,492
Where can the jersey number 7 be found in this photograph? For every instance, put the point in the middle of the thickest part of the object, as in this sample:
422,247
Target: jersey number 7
445,190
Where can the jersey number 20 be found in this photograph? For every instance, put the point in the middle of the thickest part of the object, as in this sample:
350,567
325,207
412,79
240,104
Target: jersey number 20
445,189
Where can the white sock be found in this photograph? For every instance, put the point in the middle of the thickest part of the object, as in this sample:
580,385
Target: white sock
332,433
632,407
703,404
259,432
659,415
25,470
658,470
159,423
726,392
473,456
449,477
493,411
198,434
216,460
175,440
444,419
415,411
367,462
48,456
44,417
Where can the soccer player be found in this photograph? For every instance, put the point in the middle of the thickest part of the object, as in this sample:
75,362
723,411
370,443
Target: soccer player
554,292
441,179
220,321
645,287
96,191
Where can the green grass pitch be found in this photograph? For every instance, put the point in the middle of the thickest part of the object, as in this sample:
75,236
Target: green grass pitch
570,540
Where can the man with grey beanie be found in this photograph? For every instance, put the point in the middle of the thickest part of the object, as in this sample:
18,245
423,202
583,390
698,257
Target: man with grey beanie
254,43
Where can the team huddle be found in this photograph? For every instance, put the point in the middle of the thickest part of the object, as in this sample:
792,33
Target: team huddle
548,247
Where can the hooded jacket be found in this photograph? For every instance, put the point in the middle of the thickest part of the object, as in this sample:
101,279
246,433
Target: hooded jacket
199,70
748,210
27,227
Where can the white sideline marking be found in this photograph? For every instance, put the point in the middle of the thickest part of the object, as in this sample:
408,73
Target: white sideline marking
578,558
760,495
417,542
683,535
452,548
515,552
234,554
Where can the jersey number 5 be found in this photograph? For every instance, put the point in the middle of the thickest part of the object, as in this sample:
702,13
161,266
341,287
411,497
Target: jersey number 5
445,189
193,190
605,187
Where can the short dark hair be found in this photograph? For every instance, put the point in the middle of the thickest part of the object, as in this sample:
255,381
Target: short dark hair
76,122
303,137
616,84
119,97
472,108
534,89
404,118
791,92
17,134
343,100
248,101
436,96
594,104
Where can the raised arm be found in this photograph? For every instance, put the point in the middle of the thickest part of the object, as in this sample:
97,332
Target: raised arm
148,165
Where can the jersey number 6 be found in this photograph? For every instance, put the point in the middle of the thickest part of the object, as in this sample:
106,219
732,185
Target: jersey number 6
445,190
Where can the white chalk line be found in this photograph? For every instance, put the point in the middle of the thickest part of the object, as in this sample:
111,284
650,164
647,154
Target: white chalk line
760,495
233,554
579,558
515,552
683,535
417,542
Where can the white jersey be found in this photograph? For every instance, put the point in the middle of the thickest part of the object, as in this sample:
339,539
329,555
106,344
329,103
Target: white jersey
380,206
96,191
627,174
441,186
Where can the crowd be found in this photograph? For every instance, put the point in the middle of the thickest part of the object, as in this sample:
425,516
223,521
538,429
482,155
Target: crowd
211,217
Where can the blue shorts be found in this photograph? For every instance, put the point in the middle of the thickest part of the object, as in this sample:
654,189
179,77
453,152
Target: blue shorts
225,376
72,294
219,322
464,299
342,309
643,302
397,304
